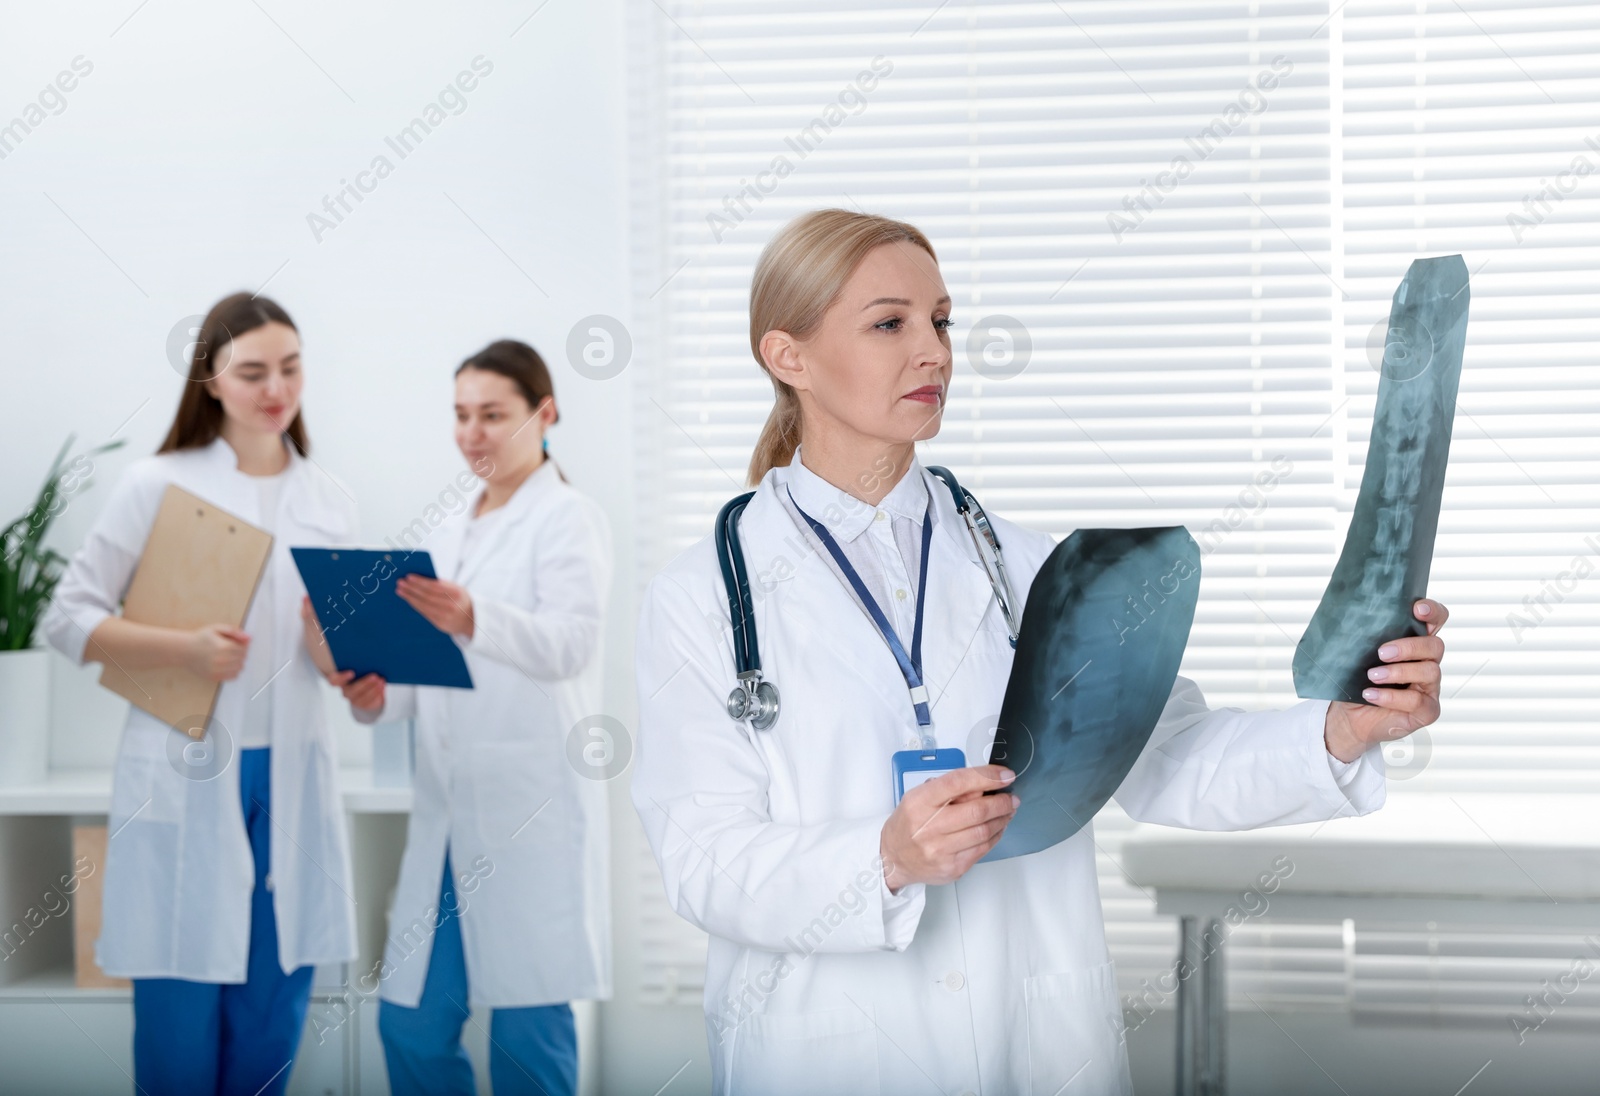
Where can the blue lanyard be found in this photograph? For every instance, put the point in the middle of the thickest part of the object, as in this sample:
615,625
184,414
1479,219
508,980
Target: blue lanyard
910,665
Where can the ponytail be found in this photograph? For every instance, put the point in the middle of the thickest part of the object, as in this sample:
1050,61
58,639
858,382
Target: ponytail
780,437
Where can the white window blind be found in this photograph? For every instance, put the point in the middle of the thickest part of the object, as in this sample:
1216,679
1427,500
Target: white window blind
1473,129
1169,231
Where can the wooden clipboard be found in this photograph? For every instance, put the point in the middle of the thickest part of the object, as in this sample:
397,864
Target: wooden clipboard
88,873
200,565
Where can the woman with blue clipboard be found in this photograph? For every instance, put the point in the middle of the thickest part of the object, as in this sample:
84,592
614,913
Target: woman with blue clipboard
228,870
863,609
503,900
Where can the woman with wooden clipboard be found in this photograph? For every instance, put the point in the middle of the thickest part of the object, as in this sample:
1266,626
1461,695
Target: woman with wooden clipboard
228,870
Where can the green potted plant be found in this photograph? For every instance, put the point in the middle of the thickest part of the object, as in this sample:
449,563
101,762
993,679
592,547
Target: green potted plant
28,575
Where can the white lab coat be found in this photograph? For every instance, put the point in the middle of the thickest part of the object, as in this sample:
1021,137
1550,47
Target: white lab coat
818,980
179,870
525,823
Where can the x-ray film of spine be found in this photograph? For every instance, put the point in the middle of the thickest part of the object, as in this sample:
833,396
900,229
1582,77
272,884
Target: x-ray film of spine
1104,629
1388,550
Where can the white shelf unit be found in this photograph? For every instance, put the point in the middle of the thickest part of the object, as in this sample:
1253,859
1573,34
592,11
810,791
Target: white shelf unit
56,1037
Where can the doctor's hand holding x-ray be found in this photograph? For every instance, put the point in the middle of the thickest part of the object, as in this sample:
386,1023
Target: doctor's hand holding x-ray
857,944
1393,713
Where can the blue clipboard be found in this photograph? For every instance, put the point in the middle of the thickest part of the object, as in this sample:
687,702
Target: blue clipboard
370,629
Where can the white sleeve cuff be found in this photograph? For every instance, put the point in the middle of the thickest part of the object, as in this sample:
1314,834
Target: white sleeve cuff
901,912
85,622
1361,782
476,642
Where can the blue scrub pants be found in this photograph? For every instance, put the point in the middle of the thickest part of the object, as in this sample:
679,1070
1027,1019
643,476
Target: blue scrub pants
227,1039
531,1050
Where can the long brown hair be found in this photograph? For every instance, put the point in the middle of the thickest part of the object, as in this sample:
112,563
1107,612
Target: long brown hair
801,272
198,422
522,366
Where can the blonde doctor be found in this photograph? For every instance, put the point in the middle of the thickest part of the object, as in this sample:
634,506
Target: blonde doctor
228,871
857,946
503,899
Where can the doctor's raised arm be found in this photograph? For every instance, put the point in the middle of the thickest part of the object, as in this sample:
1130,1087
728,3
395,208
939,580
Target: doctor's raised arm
814,680
1230,769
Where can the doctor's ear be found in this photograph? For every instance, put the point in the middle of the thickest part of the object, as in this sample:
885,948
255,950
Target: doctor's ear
782,353
547,411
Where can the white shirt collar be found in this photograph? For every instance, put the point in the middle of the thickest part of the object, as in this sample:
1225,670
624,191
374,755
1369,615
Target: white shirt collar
220,454
522,498
845,515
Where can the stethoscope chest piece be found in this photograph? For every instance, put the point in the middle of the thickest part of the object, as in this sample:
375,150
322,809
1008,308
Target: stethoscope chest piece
755,700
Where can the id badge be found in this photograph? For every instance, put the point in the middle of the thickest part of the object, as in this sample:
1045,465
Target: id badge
913,767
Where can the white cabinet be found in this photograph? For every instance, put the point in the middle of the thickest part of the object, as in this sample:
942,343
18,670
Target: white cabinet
56,1038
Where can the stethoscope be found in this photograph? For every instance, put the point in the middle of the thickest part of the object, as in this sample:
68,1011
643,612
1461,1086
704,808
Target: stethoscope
756,700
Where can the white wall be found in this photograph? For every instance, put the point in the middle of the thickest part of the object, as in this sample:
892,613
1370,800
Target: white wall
183,167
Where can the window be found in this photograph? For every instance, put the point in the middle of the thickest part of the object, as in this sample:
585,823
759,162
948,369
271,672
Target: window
1171,233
